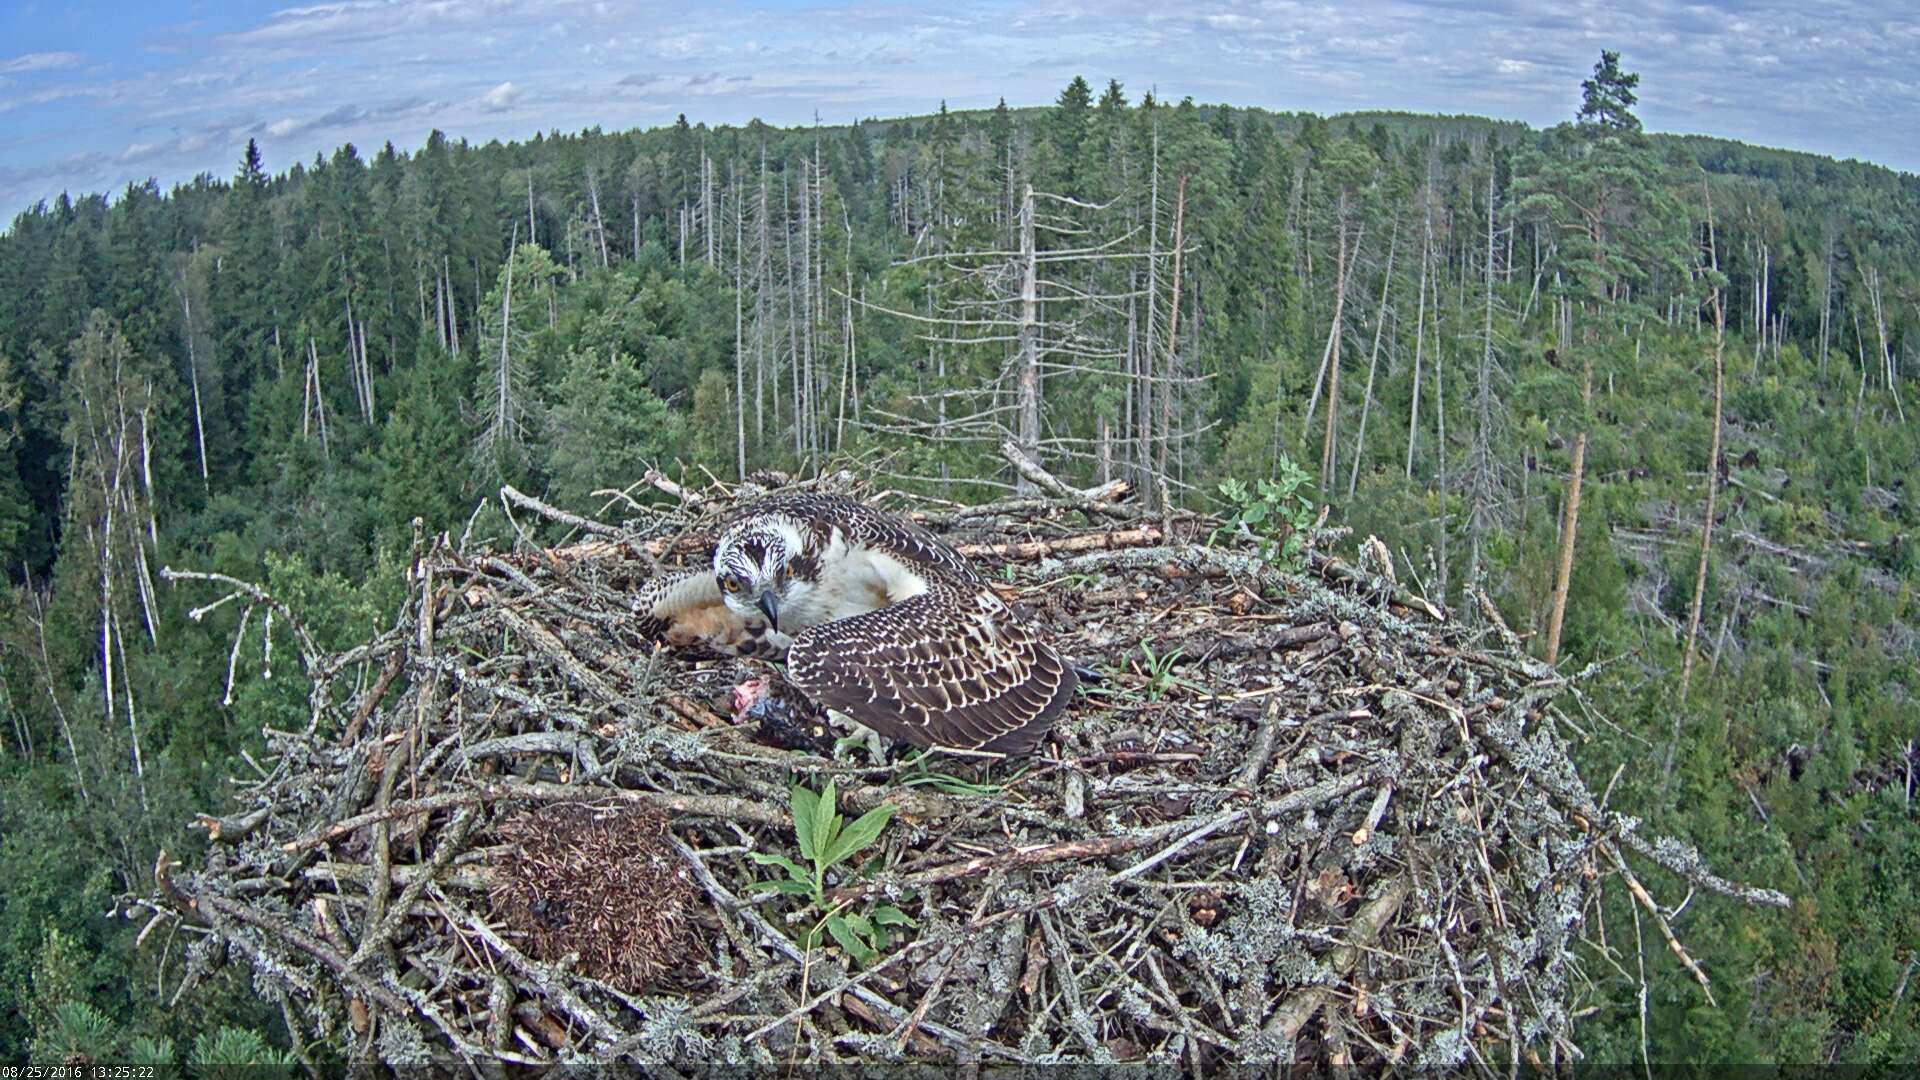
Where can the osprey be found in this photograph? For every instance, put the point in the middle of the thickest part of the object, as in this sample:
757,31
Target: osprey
875,619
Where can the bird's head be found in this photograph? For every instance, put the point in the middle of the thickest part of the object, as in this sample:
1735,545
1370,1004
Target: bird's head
766,571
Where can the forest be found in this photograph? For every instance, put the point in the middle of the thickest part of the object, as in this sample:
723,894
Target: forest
1650,392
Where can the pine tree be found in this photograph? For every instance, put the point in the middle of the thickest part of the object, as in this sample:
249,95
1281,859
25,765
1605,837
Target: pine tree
1607,99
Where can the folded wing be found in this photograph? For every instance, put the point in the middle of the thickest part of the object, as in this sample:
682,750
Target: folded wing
946,668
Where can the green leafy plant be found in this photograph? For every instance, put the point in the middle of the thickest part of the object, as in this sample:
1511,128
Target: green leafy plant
1158,669
919,772
827,840
1275,513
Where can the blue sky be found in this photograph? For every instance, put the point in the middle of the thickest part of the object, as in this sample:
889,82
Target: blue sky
94,94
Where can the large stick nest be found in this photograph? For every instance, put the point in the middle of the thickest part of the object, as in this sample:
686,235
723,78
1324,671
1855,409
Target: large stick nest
1304,815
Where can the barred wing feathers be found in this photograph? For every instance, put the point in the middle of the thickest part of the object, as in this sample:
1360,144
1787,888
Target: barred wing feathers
946,668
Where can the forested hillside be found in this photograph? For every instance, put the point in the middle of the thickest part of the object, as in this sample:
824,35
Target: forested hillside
1655,392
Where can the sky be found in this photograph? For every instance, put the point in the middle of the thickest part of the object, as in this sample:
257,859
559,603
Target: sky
95,95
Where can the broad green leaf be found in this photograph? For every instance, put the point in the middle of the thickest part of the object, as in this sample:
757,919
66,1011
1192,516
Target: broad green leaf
805,813
859,924
826,824
786,888
797,871
862,832
888,915
842,933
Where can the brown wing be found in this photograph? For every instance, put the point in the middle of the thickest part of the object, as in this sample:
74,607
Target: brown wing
942,669
685,611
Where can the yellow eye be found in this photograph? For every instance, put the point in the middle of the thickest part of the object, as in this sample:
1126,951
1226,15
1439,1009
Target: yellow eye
731,584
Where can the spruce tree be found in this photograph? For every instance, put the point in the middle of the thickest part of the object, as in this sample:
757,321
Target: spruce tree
1068,127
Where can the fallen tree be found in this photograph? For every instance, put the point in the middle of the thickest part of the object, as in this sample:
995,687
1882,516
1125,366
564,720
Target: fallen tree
1302,815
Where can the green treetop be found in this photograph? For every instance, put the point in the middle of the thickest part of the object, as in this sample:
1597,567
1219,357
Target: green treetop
1607,99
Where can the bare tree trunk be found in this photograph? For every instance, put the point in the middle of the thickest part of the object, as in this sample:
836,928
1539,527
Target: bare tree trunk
1440,430
1373,361
599,223
366,373
1826,301
850,367
319,398
453,311
1713,485
1481,517
739,327
793,328
1327,352
762,286
1570,524
817,292
440,309
1420,329
1173,329
1143,437
1028,334
809,392
1127,426
193,376
1885,360
38,617
1328,448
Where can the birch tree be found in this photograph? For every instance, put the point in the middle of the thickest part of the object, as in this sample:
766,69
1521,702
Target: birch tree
114,400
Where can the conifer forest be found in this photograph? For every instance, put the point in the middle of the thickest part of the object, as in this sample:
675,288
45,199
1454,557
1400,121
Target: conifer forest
1653,395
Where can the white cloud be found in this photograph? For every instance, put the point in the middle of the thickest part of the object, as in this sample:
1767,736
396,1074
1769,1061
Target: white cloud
501,97
310,77
39,61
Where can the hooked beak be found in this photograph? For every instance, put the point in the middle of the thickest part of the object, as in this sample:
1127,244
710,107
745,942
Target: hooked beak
770,604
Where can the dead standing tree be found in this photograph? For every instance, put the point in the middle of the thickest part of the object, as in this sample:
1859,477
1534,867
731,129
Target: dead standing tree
507,400
1349,165
1713,484
110,413
1483,466
1034,308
